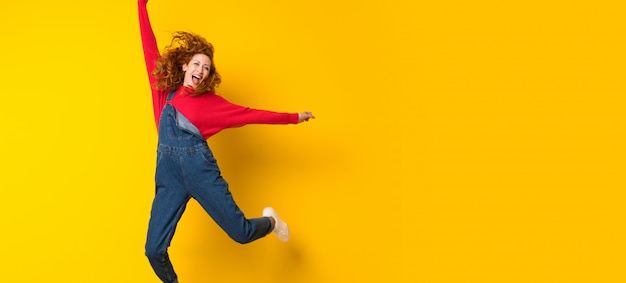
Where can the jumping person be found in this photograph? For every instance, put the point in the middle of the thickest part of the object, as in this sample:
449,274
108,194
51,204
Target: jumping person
187,111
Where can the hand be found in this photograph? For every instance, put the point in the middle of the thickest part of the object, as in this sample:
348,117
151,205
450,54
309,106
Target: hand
305,116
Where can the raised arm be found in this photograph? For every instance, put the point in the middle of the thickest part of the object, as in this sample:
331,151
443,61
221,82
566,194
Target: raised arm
151,55
148,41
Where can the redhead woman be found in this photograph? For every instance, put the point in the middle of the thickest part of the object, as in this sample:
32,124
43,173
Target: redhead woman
187,112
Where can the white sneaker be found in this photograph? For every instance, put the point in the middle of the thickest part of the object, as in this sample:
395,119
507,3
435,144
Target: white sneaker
280,228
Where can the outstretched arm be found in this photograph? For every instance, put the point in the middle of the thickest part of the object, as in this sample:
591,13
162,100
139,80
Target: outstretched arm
237,116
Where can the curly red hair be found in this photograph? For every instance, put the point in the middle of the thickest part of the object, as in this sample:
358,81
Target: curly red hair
184,46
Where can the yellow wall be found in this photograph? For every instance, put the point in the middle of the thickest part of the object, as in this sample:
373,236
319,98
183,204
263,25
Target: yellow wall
456,141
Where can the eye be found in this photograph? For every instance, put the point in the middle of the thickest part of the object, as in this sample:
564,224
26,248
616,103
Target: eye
206,68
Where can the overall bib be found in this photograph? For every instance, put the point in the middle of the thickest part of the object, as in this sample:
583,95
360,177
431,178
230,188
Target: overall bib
186,168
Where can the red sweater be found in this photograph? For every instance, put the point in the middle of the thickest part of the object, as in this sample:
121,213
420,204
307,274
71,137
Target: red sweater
209,112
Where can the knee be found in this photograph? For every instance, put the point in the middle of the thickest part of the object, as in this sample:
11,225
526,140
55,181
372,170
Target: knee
155,255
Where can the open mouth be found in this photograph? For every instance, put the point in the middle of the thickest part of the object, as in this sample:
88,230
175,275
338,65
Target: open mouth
196,79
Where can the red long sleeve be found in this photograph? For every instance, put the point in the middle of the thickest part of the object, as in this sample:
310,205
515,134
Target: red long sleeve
211,113
151,55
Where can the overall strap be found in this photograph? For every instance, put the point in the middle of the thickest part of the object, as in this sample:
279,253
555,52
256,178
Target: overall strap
181,120
170,95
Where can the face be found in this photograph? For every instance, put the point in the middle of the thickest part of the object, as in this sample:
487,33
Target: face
197,70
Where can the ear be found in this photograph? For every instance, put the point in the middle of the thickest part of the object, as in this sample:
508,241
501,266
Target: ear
184,67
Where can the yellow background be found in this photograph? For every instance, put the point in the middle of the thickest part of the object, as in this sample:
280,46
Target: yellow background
455,141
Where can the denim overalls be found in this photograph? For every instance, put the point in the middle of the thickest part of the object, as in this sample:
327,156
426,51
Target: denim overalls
187,169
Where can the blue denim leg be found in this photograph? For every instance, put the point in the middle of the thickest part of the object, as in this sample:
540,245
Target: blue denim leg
207,186
167,208
186,168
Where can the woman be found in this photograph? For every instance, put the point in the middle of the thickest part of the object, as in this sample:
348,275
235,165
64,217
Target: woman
187,112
